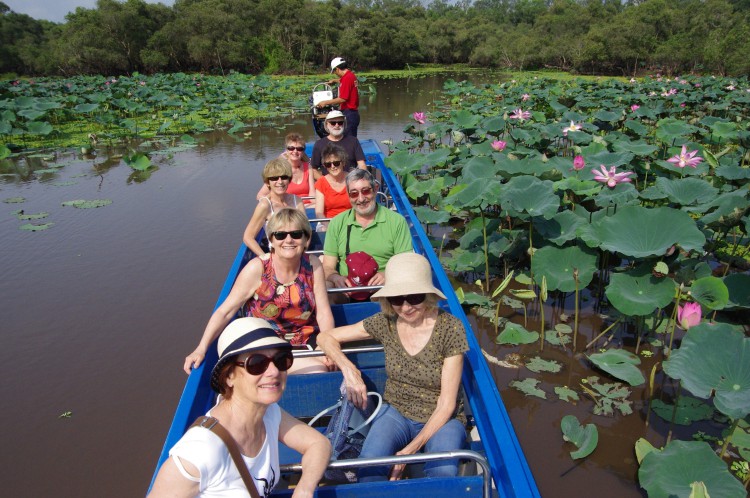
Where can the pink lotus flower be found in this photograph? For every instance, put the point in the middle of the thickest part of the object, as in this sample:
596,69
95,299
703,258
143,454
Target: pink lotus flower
525,97
730,87
572,127
143,83
634,107
685,158
682,105
610,177
520,114
499,145
418,117
689,315
578,163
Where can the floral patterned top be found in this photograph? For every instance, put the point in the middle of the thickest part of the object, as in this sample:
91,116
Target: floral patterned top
289,308
413,382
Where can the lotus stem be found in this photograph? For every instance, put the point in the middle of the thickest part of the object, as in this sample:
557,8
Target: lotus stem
442,243
674,412
601,334
639,331
673,323
651,380
728,438
541,326
486,255
576,306
497,317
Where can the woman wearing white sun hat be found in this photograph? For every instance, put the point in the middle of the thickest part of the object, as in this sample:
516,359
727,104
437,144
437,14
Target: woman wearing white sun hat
424,349
250,377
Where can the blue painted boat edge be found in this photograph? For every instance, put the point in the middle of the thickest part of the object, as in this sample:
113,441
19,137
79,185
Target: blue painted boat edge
509,466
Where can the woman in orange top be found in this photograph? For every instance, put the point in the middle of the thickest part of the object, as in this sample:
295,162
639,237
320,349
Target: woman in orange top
331,197
302,183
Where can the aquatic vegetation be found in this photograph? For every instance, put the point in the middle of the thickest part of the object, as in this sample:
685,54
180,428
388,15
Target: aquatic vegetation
585,438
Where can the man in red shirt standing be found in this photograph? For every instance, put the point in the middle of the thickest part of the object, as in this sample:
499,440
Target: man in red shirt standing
348,99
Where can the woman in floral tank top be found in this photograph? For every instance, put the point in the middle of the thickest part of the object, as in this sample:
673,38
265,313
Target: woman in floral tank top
285,287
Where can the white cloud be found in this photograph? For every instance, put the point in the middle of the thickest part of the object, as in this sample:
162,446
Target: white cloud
55,10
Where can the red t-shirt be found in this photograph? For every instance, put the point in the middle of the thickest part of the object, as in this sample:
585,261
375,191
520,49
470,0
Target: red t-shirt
348,91
334,202
302,189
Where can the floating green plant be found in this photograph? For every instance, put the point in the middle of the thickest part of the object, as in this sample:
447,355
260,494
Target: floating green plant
585,438
83,204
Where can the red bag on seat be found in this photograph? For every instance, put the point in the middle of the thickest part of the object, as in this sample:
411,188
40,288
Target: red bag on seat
361,267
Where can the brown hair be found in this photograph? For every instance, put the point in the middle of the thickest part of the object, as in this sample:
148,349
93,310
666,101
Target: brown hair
224,388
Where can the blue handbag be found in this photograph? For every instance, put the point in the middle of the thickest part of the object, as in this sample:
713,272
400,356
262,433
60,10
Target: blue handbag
347,431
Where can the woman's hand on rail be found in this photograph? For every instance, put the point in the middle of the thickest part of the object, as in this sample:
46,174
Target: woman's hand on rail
193,360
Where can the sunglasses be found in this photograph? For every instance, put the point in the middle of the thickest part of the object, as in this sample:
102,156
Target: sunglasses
280,177
413,299
332,164
291,148
281,235
336,123
257,364
354,194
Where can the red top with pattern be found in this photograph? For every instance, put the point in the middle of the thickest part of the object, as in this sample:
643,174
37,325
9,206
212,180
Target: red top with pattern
289,308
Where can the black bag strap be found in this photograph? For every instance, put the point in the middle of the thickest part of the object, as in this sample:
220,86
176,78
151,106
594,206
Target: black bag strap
214,426
348,233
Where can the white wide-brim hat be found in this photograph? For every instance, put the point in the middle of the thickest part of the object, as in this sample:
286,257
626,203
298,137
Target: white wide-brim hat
241,336
408,273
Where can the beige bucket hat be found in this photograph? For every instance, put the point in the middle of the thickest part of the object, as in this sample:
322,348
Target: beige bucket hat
408,273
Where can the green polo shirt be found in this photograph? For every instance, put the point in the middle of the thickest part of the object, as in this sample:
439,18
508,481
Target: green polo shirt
388,234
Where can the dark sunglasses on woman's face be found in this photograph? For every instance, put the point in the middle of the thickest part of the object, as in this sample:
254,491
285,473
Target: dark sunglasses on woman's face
281,235
291,148
257,364
280,177
413,299
332,164
336,123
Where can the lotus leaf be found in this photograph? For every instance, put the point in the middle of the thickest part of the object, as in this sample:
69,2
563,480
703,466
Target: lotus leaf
687,191
715,358
35,228
528,387
670,472
465,120
26,217
740,438
637,147
641,232
610,396
494,124
710,292
585,438
637,127
738,285
14,200
480,192
561,228
403,163
566,394
478,167
515,334
724,131
552,337
429,216
537,364
430,186
733,172
642,448
622,194
472,298
39,128
638,292
462,260
689,410
609,159
82,204
730,207
577,186
527,194
85,108
620,364
558,264
668,130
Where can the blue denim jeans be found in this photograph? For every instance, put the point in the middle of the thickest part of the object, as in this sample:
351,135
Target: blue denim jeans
391,432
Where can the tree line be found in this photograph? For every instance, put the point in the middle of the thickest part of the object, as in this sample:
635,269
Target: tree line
298,36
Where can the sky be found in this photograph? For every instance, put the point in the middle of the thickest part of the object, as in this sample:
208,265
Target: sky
55,10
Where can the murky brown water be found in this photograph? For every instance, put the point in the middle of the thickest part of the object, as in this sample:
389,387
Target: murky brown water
99,311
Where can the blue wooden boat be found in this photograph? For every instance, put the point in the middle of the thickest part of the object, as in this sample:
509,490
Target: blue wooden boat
496,449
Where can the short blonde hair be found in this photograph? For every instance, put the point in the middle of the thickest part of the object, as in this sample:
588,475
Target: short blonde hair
430,302
276,167
294,138
289,216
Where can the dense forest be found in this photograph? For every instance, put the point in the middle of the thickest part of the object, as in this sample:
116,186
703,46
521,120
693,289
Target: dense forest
283,36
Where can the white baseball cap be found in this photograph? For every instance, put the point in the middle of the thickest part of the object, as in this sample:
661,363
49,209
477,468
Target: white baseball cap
336,62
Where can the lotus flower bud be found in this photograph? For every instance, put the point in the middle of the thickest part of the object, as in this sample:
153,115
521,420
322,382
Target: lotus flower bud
689,315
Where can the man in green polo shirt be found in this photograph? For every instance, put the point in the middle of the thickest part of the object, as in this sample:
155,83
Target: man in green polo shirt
367,227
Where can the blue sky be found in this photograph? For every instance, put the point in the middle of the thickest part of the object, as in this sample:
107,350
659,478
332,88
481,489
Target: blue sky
55,10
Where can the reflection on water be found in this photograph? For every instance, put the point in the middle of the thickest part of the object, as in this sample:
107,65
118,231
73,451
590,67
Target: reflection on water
100,310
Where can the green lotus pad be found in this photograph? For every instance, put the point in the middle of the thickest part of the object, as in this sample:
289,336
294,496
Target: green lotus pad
638,292
620,364
515,334
558,265
689,410
584,437
82,204
528,387
670,472
715,358
35,228
537,364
